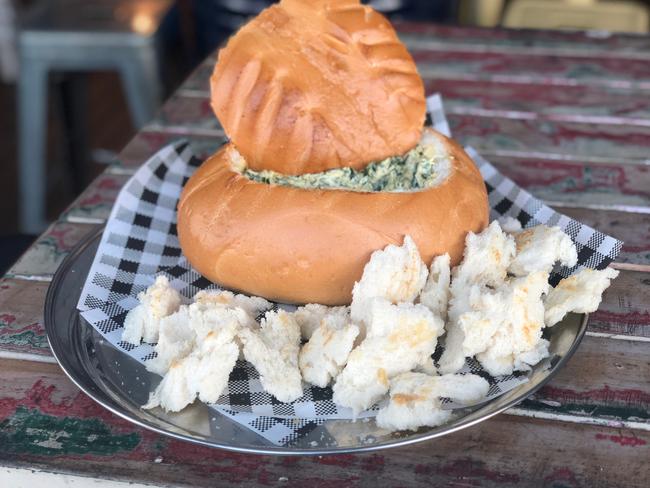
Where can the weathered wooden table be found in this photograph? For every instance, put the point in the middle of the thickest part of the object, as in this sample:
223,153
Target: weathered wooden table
566,115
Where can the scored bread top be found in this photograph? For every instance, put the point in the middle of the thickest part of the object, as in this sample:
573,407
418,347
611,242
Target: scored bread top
310,85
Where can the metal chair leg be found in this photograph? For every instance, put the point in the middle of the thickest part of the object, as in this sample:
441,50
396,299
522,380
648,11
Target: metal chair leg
75,99
142,85
32,130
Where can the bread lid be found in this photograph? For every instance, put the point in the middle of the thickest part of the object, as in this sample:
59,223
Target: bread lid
310,85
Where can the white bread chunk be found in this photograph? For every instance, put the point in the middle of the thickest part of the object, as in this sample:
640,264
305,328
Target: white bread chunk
510,225
505,364
326,353
415,399
310,316
250,304
173,393
428,367
395,273
273,349
539,248
399,338
175,341
216,358
203,373
580,293
156,302
435,294
501,327
207,316
486,257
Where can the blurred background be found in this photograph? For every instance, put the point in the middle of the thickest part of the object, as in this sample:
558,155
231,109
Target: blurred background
79,77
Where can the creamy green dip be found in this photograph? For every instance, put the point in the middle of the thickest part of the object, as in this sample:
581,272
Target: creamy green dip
420,168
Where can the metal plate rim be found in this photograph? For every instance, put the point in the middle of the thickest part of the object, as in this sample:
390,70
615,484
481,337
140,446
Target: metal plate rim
108,404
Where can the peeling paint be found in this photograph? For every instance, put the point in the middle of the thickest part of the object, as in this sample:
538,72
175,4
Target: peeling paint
29,431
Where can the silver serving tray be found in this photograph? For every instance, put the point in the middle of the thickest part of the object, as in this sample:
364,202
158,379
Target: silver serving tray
121,384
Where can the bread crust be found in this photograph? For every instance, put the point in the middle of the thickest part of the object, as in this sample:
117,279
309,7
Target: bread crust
310,85
300,246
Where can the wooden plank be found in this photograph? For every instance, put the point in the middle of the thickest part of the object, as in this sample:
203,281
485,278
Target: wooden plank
27,478
47,424
42,258
191,112
577,183
589,143
625,309
200,77
606,380
593,104
147,142
21,319
535,42
545,69
94,204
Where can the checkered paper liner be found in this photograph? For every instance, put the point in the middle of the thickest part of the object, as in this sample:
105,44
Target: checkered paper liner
140,241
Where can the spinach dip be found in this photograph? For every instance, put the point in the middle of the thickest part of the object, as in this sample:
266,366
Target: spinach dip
422,167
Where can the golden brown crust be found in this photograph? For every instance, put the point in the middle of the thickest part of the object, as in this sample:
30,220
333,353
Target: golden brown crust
295,245
312,85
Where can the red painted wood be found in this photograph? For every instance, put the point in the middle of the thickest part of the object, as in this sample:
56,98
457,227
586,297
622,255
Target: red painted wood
505,450
580,70
607,44
606,183
625,309
21,317
609,144
146,143
596,104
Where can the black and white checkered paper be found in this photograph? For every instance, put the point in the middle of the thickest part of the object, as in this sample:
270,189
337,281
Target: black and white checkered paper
140,241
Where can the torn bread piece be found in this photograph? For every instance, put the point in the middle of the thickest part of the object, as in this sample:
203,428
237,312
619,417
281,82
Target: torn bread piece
502,327
435,294
399,338
273,349
485,262
580,293
310,316
208,316
510,225
176,340
156,302
415,399
539,248
326,353
250,304
486,258
203,373
395,273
